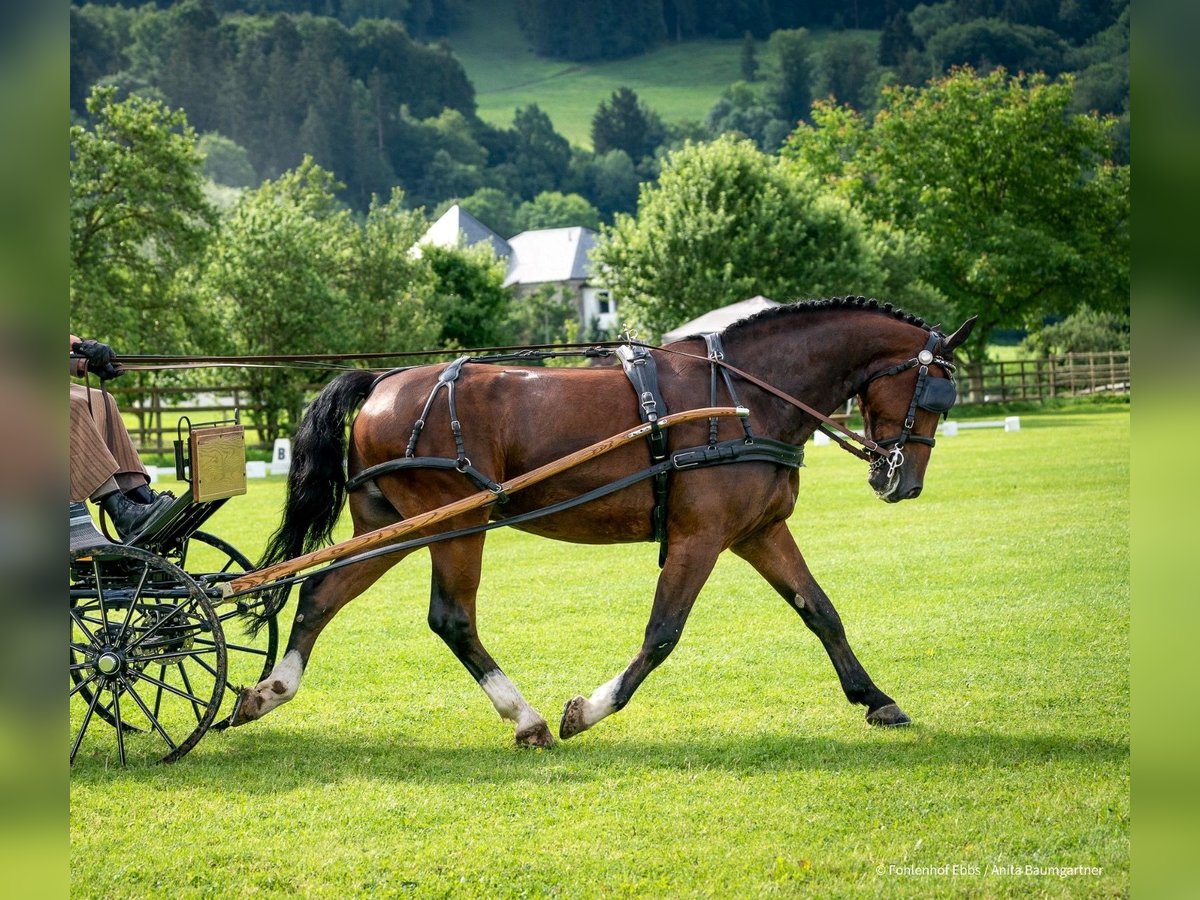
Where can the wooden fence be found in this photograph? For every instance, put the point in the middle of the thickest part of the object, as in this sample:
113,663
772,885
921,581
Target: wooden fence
155,411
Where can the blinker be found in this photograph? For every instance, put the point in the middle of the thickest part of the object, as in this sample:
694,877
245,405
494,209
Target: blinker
937,395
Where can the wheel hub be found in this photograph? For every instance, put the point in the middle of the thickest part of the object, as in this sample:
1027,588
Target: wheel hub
109,662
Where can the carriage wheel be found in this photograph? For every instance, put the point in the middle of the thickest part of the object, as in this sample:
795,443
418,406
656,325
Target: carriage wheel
147,656
251,656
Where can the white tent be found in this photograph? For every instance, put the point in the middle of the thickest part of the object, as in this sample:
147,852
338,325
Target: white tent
717,319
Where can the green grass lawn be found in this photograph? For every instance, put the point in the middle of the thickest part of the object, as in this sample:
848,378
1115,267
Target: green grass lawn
995,609
678,81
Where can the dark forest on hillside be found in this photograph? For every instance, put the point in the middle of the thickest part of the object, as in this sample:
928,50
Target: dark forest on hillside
372,91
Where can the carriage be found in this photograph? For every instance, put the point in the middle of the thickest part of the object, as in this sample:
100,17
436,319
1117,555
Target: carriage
436,457
156,654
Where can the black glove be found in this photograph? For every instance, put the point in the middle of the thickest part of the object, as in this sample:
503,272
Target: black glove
99,359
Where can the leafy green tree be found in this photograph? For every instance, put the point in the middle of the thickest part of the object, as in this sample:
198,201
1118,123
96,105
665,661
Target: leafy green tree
225,162
612,182
792,79
623,122
137,217
846,68
1020,212
278,273
1084,331
743,111
390,291
553,209
992,43
726,222
543,317
470,296
540,157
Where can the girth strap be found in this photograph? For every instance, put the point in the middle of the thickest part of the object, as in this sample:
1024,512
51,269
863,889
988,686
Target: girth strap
642,373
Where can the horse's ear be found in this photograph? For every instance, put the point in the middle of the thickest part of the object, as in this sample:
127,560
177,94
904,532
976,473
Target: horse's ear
954,340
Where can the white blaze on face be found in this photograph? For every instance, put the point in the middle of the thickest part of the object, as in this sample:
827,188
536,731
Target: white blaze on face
601,703
508,700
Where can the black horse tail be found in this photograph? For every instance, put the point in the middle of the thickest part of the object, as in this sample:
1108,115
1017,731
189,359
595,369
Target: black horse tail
316,487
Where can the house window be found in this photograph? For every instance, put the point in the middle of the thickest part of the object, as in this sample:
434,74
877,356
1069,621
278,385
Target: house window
604,302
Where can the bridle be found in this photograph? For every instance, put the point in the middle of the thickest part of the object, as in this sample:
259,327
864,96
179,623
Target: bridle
931,393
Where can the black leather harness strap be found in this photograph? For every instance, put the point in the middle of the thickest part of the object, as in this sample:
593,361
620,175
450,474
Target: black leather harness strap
642,373
724,453
716,359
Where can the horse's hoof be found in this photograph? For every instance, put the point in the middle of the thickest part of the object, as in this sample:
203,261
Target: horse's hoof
535,736
890,716
572,718
245,709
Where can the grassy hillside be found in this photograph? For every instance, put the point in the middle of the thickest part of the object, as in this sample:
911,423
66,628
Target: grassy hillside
679,81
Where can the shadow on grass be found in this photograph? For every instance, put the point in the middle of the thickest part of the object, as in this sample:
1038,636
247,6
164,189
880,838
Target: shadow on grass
276,760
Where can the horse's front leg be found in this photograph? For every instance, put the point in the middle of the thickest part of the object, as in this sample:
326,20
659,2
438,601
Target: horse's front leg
688,565
456,567
320,598
774,554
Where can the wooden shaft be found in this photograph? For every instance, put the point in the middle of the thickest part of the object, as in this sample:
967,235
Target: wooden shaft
389,533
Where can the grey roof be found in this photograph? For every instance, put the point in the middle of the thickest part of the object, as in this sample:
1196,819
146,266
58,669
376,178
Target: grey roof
458,228
550,255
718,319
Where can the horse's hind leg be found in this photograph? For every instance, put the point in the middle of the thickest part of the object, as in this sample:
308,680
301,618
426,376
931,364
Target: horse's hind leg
774,554
320,598
456,566
688,566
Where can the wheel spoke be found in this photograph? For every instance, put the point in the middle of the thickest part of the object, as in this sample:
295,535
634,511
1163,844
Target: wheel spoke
133,601
78,620
100,590
81,685
229,646
83,726
153,719
187,683
120,725
173,690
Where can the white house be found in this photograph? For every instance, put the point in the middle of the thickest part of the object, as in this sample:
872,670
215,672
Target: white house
554,257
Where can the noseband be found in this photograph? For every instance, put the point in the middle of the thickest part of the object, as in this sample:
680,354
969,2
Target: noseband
934,394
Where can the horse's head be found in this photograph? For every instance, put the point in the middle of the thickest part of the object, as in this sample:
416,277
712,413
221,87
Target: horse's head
901,403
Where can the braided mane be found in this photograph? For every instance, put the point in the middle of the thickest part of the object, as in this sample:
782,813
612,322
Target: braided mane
832,303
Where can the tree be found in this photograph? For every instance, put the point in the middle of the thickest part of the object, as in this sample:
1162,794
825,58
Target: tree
1020,211
1084,331
137,217
540,155
225,162
390,292
726,222
846,68
491,206
553,209
625,123
792,83
470,296
749,59
277,271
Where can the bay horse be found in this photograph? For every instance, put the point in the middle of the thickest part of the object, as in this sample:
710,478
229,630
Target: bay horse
511,419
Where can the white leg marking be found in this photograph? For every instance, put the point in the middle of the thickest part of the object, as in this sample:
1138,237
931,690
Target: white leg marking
508,700
600,704
283,682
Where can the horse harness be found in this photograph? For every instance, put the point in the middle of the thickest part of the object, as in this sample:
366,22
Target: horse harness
930,393
639,367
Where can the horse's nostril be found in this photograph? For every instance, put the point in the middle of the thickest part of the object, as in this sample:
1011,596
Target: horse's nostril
914,493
